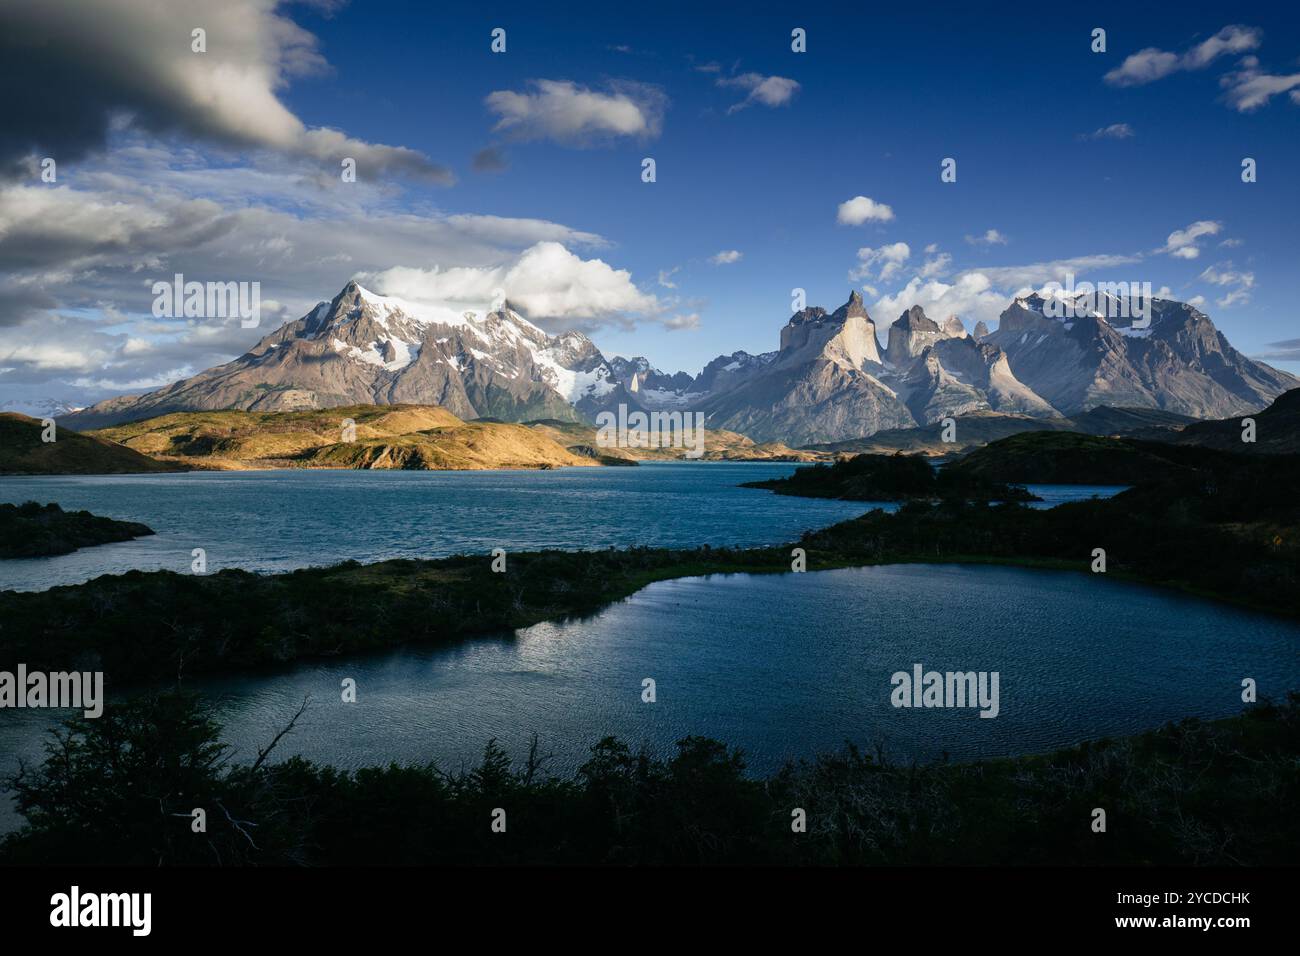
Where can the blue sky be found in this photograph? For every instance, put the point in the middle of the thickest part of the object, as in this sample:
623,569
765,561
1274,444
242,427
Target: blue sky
1136,177
882,99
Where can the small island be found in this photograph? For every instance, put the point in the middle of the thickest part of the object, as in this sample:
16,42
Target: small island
32,530
895,477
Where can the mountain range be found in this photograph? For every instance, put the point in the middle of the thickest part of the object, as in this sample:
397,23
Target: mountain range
830,379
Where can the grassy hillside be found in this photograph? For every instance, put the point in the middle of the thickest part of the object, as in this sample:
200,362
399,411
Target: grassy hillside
385,436
719,445
23,453
31,531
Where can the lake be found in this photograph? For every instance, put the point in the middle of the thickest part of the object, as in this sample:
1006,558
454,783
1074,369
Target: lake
784,666
281,520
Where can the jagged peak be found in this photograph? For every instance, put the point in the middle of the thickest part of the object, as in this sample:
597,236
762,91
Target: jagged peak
852,309
811,313
915,317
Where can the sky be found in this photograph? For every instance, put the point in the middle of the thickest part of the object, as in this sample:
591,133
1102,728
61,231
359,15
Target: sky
523,170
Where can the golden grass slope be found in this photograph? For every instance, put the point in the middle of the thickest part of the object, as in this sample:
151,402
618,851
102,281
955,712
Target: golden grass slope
382,436
22,452
719,445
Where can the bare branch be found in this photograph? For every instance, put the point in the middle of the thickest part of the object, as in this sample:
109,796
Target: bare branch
263,754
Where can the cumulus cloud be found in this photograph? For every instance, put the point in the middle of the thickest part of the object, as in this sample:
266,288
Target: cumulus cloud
572,115
764,90
860,209
118,63
970,296
983,294
1151,64
77,265
1181,243
726,257
887,259
546,282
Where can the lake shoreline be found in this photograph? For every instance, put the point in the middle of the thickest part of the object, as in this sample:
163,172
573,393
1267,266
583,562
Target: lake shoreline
146,625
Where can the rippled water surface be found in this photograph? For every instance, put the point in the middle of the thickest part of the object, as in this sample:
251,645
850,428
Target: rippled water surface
279,520
784,666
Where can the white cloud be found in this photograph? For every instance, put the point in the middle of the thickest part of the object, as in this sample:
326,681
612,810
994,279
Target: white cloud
1249,88
573,115
860,209
727,257
983,294
765,90
1181,243
1035,274
1237,283
936,266
1226,275
666,277
971,296
990,238
889,258
1151,64
546,281
77,264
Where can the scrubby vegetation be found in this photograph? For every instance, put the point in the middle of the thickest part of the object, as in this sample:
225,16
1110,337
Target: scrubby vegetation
122,790
31,530
1071,458
895,477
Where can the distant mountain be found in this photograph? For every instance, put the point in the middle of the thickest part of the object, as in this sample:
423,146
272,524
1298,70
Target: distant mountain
40,408
829,381
23,452
640,378
1180,362
362,348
